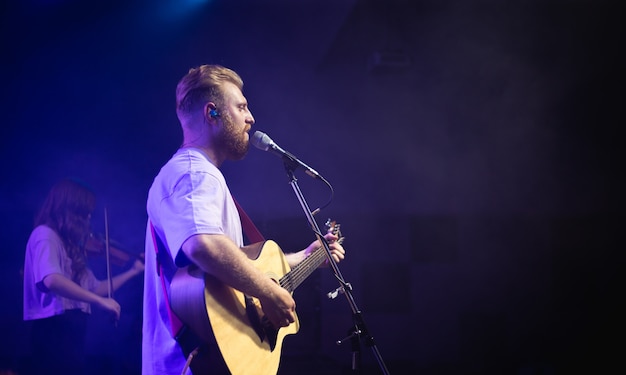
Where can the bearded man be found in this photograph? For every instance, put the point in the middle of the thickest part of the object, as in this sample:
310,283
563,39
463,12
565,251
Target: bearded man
193,221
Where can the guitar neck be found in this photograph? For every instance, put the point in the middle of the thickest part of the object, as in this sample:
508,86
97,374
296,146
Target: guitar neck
302,270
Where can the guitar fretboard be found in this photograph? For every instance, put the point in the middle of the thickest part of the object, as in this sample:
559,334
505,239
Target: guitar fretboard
302,270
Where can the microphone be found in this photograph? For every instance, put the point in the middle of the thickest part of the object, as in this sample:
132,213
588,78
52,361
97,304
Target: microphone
262,141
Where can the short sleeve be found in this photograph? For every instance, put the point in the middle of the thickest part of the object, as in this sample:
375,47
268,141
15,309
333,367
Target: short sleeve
48,255
195,207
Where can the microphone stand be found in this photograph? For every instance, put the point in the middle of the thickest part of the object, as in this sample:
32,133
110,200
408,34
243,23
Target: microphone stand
359,331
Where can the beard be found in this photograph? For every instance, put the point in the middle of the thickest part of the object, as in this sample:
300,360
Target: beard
231,140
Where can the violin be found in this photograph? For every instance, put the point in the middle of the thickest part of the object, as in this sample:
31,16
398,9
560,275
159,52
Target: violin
96,246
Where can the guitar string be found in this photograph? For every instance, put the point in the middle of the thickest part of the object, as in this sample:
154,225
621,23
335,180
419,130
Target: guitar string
295,276
304,269
316,258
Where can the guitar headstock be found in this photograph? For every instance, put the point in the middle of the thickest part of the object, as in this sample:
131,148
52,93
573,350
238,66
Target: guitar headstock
333,227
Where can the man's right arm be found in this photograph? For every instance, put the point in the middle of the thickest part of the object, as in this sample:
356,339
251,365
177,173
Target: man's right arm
221,257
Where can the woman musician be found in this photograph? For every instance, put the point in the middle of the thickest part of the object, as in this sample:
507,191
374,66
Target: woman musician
59,287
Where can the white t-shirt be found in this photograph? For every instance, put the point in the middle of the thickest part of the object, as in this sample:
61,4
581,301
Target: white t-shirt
189,196
45,255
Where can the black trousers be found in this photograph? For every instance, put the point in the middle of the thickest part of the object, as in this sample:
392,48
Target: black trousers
58,344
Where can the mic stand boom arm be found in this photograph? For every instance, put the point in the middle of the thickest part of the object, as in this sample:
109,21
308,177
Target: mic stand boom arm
359,330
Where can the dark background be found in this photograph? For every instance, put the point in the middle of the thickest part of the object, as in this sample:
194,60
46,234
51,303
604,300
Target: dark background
473,147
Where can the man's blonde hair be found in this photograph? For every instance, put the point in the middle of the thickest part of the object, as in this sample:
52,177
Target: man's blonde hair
201,85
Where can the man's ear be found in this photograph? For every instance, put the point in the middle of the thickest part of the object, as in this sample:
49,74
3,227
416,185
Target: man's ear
210,111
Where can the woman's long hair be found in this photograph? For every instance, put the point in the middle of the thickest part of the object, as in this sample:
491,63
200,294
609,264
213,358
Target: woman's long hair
67,210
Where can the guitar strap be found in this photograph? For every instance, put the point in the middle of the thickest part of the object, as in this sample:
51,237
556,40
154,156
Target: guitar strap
249,229
175,322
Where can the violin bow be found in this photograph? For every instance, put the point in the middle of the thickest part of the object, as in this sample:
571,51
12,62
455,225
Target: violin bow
108,257
108,254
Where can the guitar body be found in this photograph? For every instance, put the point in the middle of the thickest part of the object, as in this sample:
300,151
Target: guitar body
247,342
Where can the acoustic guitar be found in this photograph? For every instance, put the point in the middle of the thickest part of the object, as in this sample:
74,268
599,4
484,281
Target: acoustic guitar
248,342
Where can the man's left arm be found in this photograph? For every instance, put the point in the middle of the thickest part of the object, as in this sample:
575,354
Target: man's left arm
336,249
